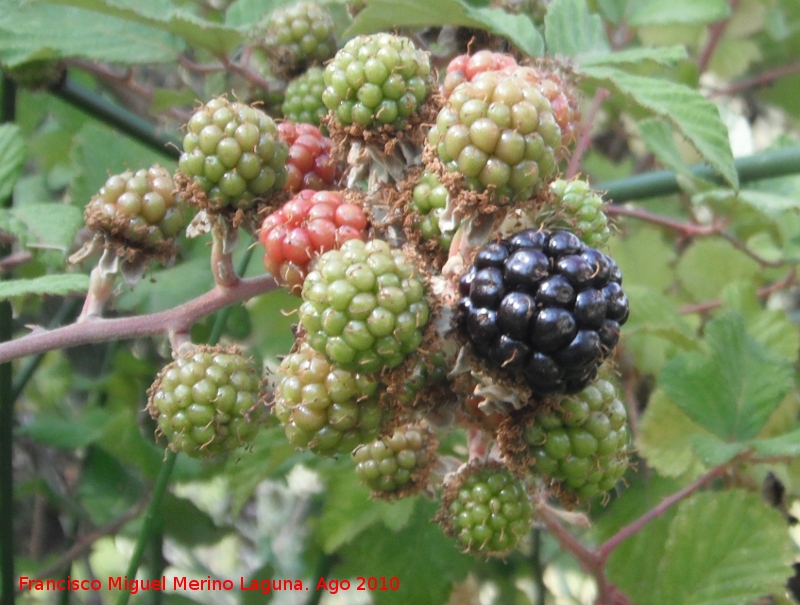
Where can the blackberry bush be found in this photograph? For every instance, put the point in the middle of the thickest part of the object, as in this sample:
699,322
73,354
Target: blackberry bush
375,80
325,408
364,306
309,164
500,133
306,226
302,102
234,154
207,402
486,508
543,305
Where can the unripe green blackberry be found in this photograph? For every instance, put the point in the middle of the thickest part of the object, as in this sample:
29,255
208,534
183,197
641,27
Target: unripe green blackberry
429,200
582,211
302,102
499,132
430,369
376,80
397,465
298,36
137,208
324,408
581,443
486,508
234,154
207,402
364,306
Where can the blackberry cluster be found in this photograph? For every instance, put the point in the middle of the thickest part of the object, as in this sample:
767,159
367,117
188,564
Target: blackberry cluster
543,305
302,102
581,444
309,224
486,508
364,306
309,164
298,36
376,80
207,403
234,153
398,464
500,133
324,408
138,209
429,199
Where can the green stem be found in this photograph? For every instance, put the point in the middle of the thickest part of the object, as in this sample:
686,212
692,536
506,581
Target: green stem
764,165
538,568
116,116
152,519
7,114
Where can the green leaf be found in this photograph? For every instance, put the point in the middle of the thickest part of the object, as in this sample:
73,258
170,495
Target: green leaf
54,285
724,548
380,15
163,15
420,556
657,315
107,487
660,141
348,510
664,438
708,265
99,151
664,12
11,225
187,524
12,157
787,445
732,390
666,55
67,433
573,31
713,451
30,31
51,225
693,115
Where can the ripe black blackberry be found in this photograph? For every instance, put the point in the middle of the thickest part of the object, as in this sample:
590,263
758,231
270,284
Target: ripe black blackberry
545,305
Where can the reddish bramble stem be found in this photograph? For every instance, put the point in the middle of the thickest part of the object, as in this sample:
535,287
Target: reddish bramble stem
178,319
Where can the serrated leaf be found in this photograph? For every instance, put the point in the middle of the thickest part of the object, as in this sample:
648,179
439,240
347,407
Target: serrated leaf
657,315
70,433
732,390
30,31
52,285
573,31
163,15
12,157
420,556
348,511
693,115
380,15
724,548
11,225
52,225
665,12
713,451
665,55
653,270
786,445
660,141
664,438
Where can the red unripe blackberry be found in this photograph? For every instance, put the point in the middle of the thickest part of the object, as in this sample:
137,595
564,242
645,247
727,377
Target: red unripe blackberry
486,508
298,36
309,164
207,402
581,442
309,224
137,208
302,102
399,464
464,68
324,408
543,305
